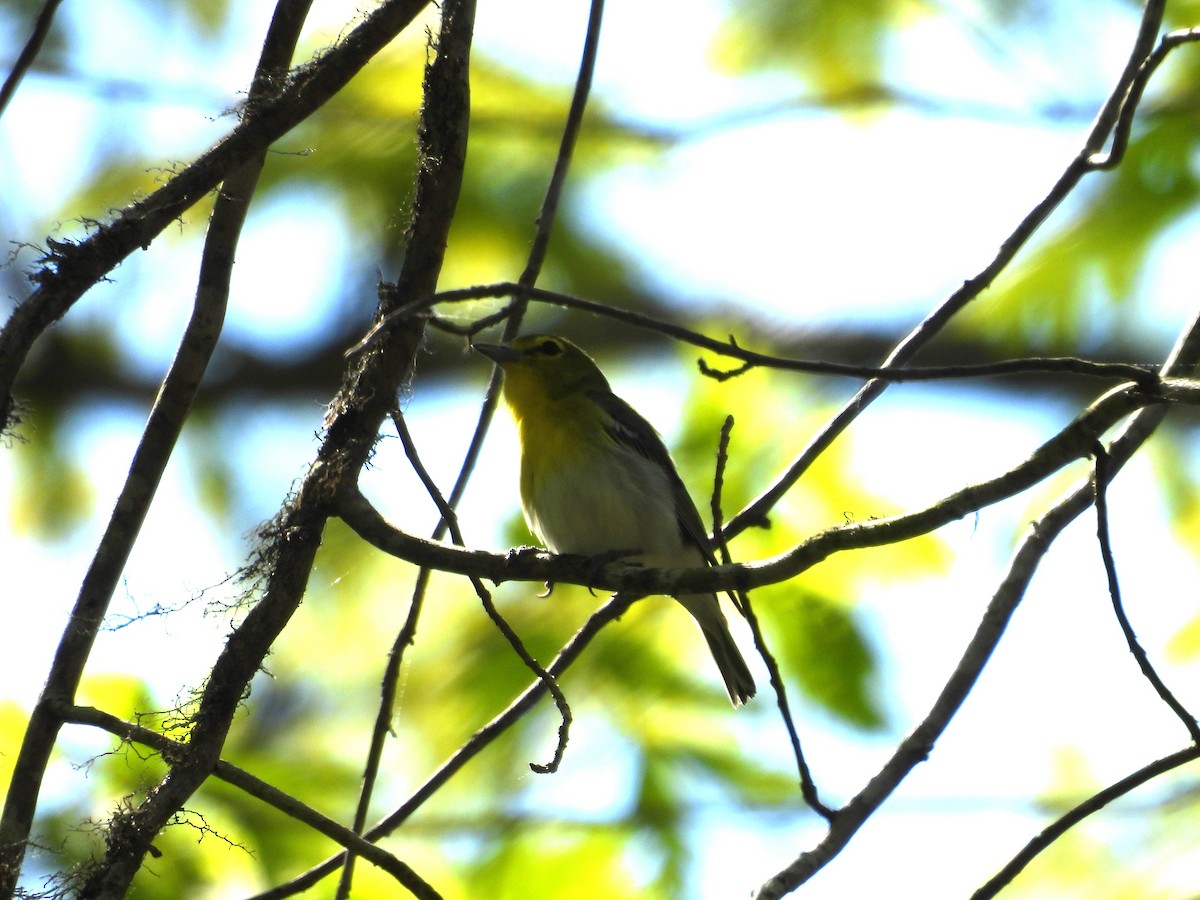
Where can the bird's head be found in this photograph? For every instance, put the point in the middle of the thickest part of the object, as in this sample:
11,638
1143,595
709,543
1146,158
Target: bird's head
543,367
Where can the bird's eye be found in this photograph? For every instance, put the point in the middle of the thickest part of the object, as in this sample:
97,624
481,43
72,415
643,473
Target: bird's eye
550,348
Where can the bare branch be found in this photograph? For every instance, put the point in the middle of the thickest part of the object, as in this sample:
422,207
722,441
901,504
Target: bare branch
1073,443
919,744
920,336
1129,103
1063,824
1143,374
616,607
149,462
352,427
260,790
1101,477
71,269
485,597
808,787
41,28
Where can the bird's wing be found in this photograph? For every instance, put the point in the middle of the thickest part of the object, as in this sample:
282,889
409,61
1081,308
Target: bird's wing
627,428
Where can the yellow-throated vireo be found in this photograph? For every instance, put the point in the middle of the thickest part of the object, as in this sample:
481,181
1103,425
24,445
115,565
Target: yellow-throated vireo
596,478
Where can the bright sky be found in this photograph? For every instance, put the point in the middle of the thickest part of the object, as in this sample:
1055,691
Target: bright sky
925,199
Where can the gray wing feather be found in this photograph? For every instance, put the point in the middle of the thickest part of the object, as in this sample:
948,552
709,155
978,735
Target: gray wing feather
627,428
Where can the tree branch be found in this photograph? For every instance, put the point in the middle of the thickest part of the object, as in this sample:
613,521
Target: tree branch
616,607
1074,442
162,431
71,269
1102,475
41,28
808,787
925,332
1093,804
1145,375
352,425
257,788
919,744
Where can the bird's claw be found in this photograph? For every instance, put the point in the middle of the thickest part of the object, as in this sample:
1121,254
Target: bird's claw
600,560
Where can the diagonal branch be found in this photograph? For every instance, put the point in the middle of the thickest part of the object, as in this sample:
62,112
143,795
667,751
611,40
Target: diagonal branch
919,744
616,607
162,431
291,542
41,28
756,511
260,790
1069,820
71,269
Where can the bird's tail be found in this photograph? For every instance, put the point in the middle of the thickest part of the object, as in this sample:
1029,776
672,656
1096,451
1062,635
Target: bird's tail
736,674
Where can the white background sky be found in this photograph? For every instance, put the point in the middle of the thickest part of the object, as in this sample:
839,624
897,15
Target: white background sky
883,217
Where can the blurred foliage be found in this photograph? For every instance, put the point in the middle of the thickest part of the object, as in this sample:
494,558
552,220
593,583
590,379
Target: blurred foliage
645,697
53,493
1096,260
837,46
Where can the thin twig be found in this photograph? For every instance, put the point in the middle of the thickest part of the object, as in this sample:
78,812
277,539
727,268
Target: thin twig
523,288
808,787
1102,474
485,597
260,790
41,28
616,607
1137,87
1145,375
914,749
566,148
1064,823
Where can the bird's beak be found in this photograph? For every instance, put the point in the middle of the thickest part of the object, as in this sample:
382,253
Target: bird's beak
498,353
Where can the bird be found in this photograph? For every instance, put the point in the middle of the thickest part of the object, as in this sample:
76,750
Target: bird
596,478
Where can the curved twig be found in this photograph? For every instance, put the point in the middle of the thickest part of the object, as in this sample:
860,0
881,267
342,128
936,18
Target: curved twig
1102,475
616,607
1062,365
1137,81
